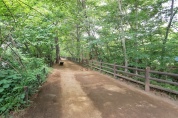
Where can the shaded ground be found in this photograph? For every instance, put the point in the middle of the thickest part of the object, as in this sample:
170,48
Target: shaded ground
47,104
73,92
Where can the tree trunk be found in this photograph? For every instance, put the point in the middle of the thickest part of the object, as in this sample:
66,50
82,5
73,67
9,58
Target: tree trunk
167,33
136,38
122,37
1,37
57,50
78,40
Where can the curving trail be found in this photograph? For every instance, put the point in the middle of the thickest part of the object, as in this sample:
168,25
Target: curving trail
71,92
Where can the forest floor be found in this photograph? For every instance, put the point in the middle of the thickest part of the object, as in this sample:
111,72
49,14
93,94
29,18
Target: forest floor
71,92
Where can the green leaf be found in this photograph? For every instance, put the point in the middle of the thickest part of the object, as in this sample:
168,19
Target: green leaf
13,77
22,96
17,88
1,100
1,90
6,86
3,108
4,81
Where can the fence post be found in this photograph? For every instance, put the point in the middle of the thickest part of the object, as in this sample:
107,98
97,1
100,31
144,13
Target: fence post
100,66
26,93
39,79
92,64
114,68
44,70
82,61
87,63
147,80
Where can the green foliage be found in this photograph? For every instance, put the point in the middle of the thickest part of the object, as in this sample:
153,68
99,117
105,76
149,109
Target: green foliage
12,83
26,47
10,91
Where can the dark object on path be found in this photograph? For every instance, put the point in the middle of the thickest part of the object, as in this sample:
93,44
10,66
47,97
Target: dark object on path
61,63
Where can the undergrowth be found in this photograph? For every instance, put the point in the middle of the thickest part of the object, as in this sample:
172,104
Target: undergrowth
13,79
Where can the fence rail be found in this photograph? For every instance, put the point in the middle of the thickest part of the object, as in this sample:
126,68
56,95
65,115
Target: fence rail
144,79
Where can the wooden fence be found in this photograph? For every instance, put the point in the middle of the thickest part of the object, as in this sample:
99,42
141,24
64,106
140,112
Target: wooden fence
146,77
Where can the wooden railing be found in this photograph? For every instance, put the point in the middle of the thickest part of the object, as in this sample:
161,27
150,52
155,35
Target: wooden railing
143,77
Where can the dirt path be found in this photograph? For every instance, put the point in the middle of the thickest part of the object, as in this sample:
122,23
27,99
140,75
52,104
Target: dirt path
72,93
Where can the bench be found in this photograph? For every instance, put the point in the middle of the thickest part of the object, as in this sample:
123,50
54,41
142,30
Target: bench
61,63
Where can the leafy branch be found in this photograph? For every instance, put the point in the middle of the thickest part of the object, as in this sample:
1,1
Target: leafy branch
10,65
9,12
30,7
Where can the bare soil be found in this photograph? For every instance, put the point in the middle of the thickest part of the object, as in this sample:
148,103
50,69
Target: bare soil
74,92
